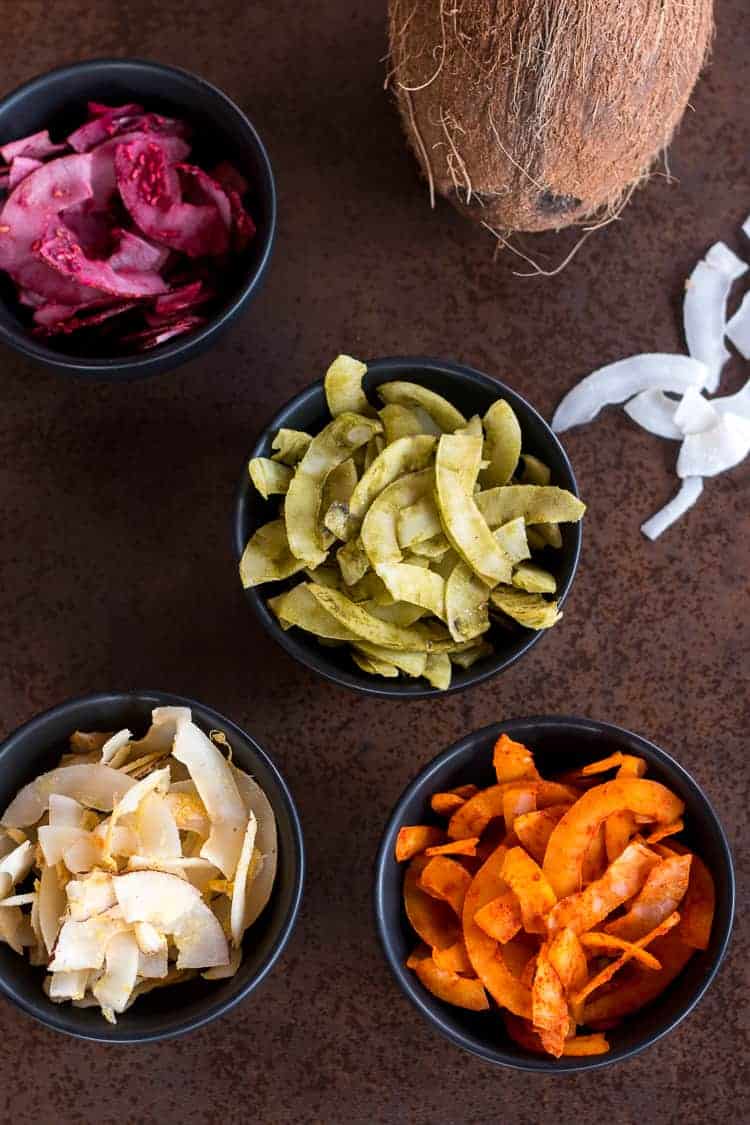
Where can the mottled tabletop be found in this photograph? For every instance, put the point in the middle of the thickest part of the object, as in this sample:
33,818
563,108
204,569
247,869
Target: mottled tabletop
117,567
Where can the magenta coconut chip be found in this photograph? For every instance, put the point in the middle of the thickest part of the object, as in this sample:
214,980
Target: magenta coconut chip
113,233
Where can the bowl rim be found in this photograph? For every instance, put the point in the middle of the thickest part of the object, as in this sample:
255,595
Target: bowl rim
384,856
302,652
213,1011
124,368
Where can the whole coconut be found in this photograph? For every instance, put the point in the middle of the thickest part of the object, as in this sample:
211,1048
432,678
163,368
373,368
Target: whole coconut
535,114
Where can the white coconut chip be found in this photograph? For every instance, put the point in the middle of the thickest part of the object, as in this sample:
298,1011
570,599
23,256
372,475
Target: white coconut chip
738,328
150,940
15,866
27,899
93,785
115,985
622,380
266,843
217,789
241,882
91,895
713,451
65,812
56,840
694,413
153,896
156,829
67,985
223,972
15,929
83,945
704,309
654,411
153,966
51,906
112,747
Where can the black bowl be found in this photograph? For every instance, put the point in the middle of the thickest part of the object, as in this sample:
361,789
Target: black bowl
166,1012
57,101
558,743
473,393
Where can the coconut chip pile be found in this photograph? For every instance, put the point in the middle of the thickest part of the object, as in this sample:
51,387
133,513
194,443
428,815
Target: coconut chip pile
135,864
667,394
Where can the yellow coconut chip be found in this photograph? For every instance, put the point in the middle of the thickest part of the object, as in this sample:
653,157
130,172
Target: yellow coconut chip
502,443
269,477
343,387
413,395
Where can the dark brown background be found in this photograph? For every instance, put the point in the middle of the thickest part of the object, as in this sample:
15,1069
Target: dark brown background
117,569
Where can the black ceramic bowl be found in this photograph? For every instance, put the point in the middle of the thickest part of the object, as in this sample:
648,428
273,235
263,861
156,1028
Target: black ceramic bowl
559,743
165,1012
473,393
57,101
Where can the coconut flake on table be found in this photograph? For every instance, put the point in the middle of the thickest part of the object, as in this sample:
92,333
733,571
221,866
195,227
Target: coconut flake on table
704,309
654,411
694,413
738,403
738,328
689,491
715,450
623,379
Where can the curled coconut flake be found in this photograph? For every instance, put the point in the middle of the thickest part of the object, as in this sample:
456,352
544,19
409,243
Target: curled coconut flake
694,413
690,490
619,381
714,450
705,307
738,328
738,403
654,411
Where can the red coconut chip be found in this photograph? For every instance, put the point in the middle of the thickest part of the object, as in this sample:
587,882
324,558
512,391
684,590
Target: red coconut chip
65,325
230,178
152,337
119,120
60,250
91,227
37,146
199,188
99,109
136,253
25,217
21,167
243,227
186,297
103,175
148,185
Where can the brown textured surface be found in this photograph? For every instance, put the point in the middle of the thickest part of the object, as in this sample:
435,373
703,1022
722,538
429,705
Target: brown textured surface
117,569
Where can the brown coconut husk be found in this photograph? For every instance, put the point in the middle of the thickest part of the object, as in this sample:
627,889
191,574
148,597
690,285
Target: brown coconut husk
533,115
